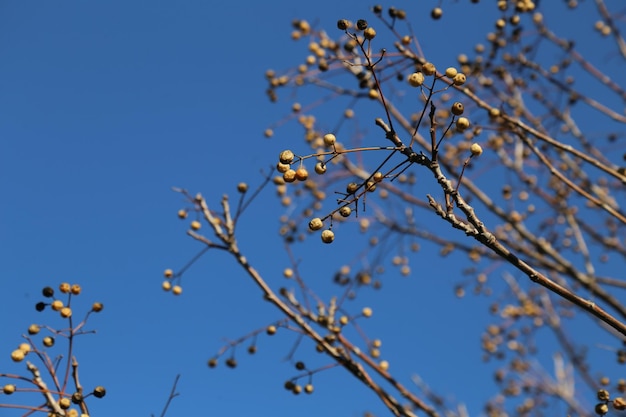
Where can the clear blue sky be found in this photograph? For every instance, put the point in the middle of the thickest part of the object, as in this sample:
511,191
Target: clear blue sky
106,105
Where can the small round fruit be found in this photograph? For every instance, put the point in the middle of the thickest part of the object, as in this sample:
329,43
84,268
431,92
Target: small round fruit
65,403
168,273
282,168
367,312
328,236
8,389
429,68
416,79
459,79
99,392
316,224
384,365
47,292
166,285
212,362
286,156
302,174
182,214
288,273
308,388
57,305
289,175
352,187
361,24
343,24
66,312
231,362
24,347
345,211
17,355
601,409
436,13
271,330
369,33
33,329
177,290
76,289
329,139
242,187
97,307
457,108
451,72
64,287
77,398
48,341
196,225
462,123
320,168
476,149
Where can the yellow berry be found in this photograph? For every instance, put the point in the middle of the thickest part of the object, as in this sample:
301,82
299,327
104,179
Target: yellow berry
33,329
66,312
8,389
282,168
196,225
182,214
268,133
308,388
286,156
345,211
451,72
48,341
242,187
289,175
302,174
320,168
429,68
369,33
384,365
168,273
328,236
57,305
476,149
76,289
65,403
329,139
271,330
316,224
17,355
367,312
416,79
462,123
459,79
288,273
166,285
601,409
352,187
436,13
457,108
177,290
64,287
97,307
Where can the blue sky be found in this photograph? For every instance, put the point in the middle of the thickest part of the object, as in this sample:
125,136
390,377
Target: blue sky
107,105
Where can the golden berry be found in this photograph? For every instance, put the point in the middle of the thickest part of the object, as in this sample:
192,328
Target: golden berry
476,149
286,156
316,224
17,355
457,108
429,68
166,285
182,214
8,389
369,33
97,307
33,329
177,290
451,72
168,273
64,287
459,79
242,187
320,168
196,225
76,289
436,13
328,236
329,139
302,174
66,312
345,211
462,123
48,341
352,187
57,305
271,330
65,403
367,312
289,175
